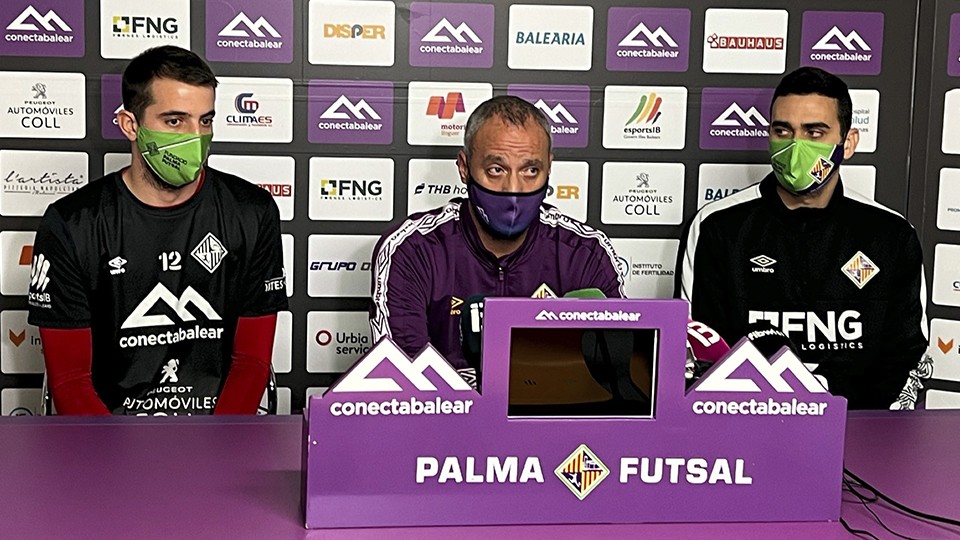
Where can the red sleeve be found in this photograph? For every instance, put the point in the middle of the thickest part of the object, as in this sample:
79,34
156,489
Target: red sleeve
68,354
250,366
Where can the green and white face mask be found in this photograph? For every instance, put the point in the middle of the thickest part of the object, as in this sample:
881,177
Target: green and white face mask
176,158
803,166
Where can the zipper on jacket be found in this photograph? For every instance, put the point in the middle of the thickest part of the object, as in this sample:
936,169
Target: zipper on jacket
500,272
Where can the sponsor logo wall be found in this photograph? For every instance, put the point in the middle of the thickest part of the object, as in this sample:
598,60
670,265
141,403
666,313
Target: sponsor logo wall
351,115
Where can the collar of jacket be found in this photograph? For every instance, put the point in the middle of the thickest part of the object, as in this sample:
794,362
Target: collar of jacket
768,191
469,230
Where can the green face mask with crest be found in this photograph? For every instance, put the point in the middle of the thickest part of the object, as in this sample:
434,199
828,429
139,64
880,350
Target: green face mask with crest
803,166
176,158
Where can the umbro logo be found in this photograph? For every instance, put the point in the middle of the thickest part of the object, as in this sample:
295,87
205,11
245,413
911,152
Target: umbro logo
763,263
443,31
359,110
735,116
413,371
851,41
260,28
116,265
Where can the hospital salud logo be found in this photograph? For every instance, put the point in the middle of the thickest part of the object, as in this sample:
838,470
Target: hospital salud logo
843,42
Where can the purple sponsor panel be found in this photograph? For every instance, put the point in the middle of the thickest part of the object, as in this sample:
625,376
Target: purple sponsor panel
111,101
648,39
567,108
41,28
350,112
843,42
250,31
761,441
735,118
451,35
953,47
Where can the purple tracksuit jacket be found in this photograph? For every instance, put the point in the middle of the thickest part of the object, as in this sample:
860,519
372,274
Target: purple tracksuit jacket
425,267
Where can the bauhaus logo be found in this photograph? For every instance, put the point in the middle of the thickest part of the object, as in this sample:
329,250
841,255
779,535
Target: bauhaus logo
359,110
558,114
30,18
443,31
835,38
160,295
721,379
734,115
397,370
242,26
641,36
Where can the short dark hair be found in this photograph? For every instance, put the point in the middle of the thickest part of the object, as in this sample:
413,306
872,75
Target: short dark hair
165,62
811,80
510,109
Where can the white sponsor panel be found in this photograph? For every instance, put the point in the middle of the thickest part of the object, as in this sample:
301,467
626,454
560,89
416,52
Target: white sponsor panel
283,400
20,346
351,189
20,402
647,266
283,343
114,162
437,112
569,181
948,200
43,105
349,33
312,391
644,117
719,180
866,118
949,141
431,183
745,41
288,267
860,178
273,173
336,339
32,180
550,37
16,255
941,399
252,109
946,275
945,349
642,193
129,28
339,265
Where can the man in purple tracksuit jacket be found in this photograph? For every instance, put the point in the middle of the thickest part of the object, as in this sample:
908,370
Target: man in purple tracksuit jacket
502,241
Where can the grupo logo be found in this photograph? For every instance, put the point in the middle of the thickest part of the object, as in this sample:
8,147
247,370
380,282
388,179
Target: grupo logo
42,31
340,266
842,42
385,357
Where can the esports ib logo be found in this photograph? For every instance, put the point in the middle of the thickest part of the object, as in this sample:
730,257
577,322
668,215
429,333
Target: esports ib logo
648,110
582,471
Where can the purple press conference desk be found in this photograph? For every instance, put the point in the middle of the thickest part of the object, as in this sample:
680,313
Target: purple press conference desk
240,478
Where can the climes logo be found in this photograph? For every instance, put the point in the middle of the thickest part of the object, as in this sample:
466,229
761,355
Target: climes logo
260,28
359,379
851,41
558,114
735,116
139,318
446,108
443,31
658,38
244,103
21,22
359,110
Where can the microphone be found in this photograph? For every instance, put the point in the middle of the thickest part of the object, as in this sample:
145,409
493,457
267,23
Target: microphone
471,331
704,347
769,339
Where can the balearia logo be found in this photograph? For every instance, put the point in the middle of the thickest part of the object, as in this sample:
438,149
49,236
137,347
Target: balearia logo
181,306
762,264
582,471
721,379
604,315
30,20
412,372
830,331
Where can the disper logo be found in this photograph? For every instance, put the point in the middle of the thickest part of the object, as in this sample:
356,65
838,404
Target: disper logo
641,36
752,367
850,42
443,31
382,370
355,31
139,318
47,21
261,28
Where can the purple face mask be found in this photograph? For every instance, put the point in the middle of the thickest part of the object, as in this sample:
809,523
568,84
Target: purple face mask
505,214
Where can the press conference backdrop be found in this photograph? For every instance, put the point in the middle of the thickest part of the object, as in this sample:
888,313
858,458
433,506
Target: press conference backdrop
350,114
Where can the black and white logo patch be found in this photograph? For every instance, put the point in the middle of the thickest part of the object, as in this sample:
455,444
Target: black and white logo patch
762,263
209,252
